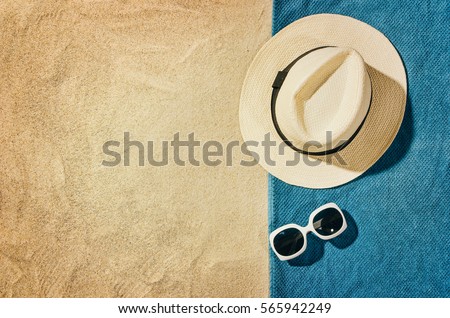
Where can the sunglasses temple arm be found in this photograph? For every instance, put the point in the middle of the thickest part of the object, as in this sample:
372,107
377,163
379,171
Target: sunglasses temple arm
318,223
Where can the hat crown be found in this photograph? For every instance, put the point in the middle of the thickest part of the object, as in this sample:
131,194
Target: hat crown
324,98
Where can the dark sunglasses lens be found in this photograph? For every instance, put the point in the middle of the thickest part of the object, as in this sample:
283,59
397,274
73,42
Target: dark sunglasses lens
328,221
288,242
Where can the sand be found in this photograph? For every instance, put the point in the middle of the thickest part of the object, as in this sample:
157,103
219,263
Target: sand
77,74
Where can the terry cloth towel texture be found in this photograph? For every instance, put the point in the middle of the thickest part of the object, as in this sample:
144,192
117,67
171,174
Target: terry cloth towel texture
397,242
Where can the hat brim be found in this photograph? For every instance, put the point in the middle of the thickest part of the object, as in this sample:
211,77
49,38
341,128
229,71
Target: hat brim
389,89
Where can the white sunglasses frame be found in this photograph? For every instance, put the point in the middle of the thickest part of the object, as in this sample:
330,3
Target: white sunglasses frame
307,229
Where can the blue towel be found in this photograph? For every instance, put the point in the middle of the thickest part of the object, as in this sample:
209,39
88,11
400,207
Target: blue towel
397,243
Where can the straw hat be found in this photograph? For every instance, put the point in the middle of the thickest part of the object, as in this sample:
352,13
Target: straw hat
323,100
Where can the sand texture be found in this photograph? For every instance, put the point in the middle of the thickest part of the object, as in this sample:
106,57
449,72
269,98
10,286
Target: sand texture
76,74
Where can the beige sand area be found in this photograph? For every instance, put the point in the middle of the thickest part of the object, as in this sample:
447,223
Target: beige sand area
76,74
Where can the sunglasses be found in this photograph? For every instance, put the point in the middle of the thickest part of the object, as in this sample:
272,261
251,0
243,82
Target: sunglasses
289,241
